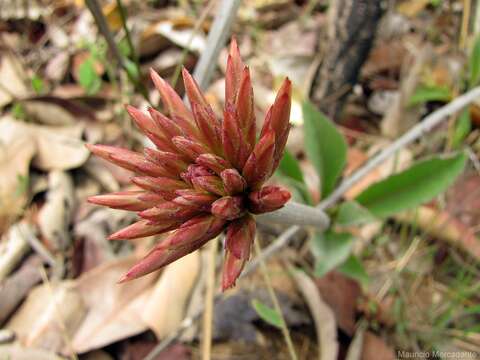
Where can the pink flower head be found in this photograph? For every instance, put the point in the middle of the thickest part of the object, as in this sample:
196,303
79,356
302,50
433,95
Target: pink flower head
206,175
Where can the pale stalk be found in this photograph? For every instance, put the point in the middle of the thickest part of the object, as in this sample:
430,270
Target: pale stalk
209,295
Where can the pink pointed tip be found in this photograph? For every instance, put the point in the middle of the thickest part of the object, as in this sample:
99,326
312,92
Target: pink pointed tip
154,75
115,236
124,278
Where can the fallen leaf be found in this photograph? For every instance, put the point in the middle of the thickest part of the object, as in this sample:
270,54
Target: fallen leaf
113,15
374,348
323,316
16,151
341,294
14,247
118,315
49,316
443,226
411,8
55,216
166,305
159,35
50,110
12,75
14,289
18,352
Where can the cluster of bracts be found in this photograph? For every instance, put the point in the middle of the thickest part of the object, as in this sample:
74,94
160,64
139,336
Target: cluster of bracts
206,174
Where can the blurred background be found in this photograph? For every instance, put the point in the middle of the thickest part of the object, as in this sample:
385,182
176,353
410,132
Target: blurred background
374,68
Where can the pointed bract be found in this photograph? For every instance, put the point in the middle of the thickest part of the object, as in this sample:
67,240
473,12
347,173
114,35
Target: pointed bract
127,200
259,165
141,229
267,199
187,238
233,73
173,103
278,119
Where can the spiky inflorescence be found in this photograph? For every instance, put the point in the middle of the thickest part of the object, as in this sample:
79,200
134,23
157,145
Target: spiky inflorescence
206,175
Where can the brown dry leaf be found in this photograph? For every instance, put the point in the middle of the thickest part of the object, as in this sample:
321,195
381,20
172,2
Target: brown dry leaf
114,310
14,289
49,317
323,316
48,113
17,352
16,151
55,216
341,294
52,147
386,56
166,305
12,75
374,348
444,226
412,8
113,16
159,35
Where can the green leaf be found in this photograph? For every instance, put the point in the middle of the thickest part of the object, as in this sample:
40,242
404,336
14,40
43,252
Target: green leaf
18,111
352,213
88,77
267,314
325,146
289,167
412,187
330,250
462,129
353,268
37,84
474,65
424,94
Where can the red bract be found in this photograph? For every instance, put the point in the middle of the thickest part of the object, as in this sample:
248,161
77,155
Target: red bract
206,174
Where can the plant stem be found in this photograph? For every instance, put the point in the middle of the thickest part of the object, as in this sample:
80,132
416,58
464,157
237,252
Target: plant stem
209,295
294,213
102,24
276,304
123,16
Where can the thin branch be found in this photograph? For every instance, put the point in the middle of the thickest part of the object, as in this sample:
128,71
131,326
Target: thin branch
216,38
123,16
294,213
209,295
102,24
